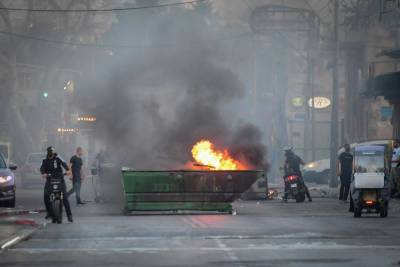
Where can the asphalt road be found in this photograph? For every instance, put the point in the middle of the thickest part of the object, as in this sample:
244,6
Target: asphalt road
268,233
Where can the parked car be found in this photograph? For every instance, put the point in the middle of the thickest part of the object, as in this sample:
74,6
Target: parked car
317,172
7,184
5,149
30,171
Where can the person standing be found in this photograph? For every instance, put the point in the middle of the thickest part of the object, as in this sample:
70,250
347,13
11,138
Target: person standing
345,171
76,166
395,167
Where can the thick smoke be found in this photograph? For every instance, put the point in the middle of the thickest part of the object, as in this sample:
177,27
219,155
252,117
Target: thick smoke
152,108
246,144
207,87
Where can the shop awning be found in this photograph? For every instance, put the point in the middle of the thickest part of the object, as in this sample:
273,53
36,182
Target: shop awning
387,85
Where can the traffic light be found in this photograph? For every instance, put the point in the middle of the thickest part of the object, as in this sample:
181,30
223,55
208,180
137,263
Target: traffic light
42,97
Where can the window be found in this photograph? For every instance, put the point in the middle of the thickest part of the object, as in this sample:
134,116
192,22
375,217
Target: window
2,162
370,163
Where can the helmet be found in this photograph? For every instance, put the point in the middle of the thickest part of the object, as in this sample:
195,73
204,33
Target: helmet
50,150
287,148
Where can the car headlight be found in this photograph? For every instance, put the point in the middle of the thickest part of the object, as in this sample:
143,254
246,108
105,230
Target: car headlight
5,179
310,165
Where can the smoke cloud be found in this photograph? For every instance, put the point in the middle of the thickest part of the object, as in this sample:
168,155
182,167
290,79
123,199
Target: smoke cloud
152,108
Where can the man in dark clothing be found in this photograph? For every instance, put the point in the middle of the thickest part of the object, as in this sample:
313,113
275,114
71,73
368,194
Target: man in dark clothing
76,164
345,171
292,167
52,166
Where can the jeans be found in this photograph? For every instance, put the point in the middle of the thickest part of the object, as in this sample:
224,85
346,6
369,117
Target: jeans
76,188
344,187
47,203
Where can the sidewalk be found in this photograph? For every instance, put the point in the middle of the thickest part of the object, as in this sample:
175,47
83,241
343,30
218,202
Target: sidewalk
18,211
15,229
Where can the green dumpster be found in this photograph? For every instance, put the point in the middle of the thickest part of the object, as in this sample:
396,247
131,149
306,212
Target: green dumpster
184,191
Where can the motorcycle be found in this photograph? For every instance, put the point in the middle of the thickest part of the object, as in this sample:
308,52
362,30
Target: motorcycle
294,188
56,198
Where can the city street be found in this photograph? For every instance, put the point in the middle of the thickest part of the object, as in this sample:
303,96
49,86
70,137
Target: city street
266,233
200,133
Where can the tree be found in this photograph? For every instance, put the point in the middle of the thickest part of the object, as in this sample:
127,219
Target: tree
72,27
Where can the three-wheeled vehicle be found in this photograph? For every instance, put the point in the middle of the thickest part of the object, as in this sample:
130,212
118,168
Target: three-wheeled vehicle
370,186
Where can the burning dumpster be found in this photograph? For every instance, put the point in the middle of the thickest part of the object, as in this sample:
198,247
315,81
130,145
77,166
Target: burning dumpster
212,182
185,190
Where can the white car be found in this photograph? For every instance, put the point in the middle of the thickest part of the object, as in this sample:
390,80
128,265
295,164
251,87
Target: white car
317,171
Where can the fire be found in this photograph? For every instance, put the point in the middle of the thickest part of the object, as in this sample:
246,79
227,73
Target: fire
205,155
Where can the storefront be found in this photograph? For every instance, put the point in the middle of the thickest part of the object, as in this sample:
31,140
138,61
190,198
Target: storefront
388,86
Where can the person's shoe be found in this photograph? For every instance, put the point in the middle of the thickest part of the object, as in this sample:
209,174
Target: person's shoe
54,221
284,200
310,200
80,203
70,219
48,216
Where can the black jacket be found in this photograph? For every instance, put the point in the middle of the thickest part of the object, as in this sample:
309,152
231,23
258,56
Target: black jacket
292,164
53,166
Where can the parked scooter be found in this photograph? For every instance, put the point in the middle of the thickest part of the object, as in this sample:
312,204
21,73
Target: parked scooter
294,188
370,186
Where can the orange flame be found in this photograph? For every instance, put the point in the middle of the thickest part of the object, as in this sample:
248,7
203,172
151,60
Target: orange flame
205,155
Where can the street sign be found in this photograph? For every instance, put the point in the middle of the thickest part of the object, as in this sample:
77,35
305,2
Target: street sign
297,101
70,86
299,117
320,102
87,118
67,130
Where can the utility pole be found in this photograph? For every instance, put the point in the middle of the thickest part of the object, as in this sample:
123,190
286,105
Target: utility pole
312,111
335,90
309,122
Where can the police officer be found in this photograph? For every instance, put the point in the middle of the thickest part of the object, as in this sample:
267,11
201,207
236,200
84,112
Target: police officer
53,166
345,171
292,166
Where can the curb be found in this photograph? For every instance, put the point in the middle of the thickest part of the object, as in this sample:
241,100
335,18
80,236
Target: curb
28,222
20,212
19,237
